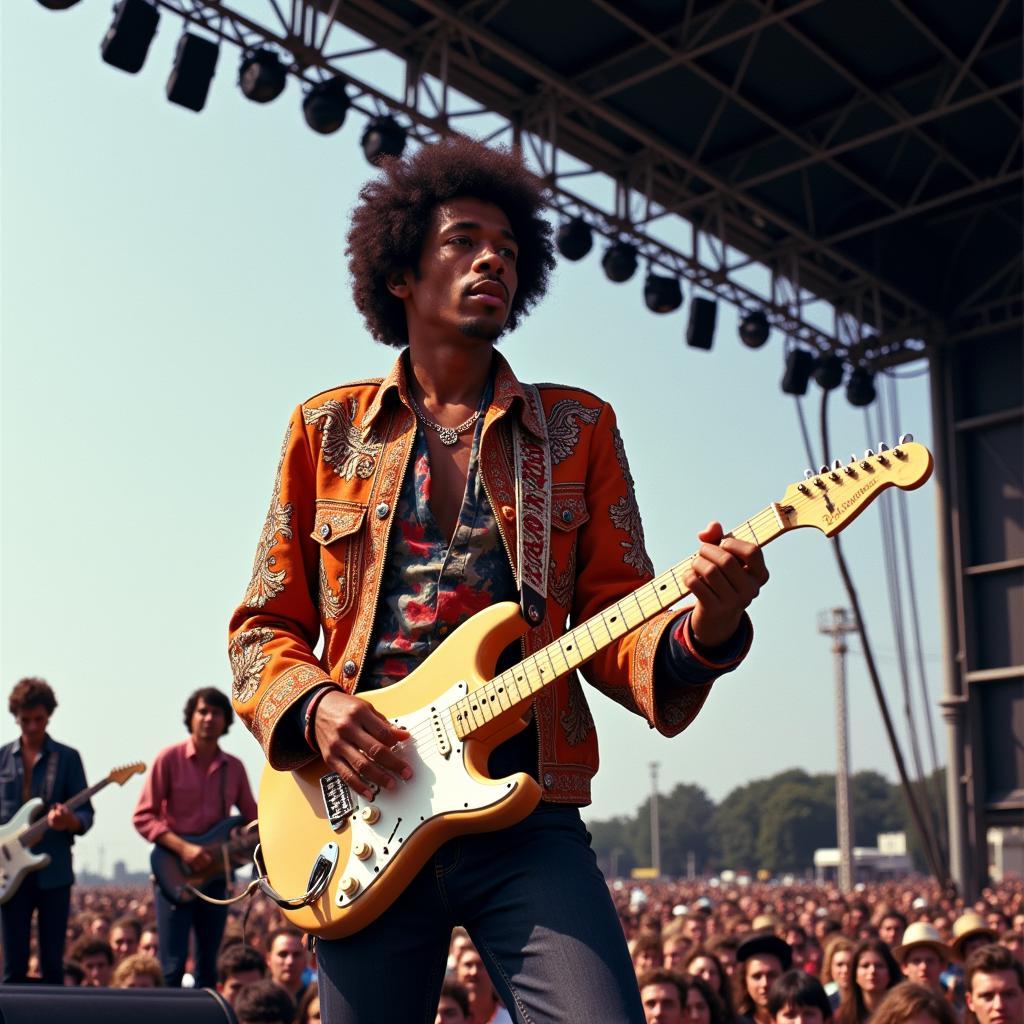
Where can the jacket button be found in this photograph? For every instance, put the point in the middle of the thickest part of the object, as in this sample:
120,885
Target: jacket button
349,668
325,530
566,516
549,780
508,512
383,509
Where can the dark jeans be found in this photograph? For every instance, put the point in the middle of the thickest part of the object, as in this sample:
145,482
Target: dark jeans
16,916
537,909
174,925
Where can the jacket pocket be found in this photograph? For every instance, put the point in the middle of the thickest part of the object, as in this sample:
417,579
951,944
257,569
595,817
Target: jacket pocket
568,507
568,514
338,529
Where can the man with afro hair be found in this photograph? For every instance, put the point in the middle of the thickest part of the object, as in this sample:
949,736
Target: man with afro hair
406,504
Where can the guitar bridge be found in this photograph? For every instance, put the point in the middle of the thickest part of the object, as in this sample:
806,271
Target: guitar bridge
338,802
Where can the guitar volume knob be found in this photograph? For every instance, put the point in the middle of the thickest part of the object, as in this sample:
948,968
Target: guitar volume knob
362,850
371,815
349,885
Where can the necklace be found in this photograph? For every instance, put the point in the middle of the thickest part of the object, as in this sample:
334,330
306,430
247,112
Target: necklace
449,435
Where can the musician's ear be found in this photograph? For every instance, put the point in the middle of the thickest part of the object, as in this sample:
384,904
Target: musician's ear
396,282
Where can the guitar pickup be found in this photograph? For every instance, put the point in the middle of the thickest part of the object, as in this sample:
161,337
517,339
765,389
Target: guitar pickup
338,803
444,745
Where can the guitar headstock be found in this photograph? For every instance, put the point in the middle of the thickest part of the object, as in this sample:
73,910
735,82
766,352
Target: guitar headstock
834,496
123,773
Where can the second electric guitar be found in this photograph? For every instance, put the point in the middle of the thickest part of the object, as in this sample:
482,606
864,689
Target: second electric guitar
353,857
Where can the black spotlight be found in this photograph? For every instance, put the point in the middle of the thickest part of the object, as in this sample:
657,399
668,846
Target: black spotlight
383,136
619,261
754,329
325,106
700,330
662,294
58,5
261,75
127,40
860,388
574,238
799,364
828,370
194,63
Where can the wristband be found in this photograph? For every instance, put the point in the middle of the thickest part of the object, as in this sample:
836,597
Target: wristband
309,720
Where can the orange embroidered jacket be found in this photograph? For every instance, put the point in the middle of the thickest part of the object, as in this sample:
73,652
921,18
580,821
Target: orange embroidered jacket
320,560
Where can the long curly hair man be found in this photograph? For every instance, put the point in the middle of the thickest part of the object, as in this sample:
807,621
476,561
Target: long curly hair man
393,216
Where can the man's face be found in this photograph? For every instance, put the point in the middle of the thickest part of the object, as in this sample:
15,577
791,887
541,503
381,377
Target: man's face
149,944
287,961
661,1004
236,982
890,931
694,929
706,968
996,998
97,970
32,722
466,279
449,1012
471,972
923,965
207,722
799,1015
761,973
123,941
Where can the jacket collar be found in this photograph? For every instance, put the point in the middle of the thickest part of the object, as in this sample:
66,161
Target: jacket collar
508,392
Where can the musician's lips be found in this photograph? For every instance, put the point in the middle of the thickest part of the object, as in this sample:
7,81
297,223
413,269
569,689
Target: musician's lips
491,293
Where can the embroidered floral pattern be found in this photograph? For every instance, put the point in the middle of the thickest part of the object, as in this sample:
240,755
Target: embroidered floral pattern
266,582
248,661
576,719
626,516
344,446
564,427
330,602
563,584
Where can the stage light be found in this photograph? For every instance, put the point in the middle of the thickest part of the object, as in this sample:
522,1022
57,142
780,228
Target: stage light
194,63
261,75
574,238
828,371
754,329
662,294
799,364
325,106
58,5
127,40
860,388
619,261
700,330
382,137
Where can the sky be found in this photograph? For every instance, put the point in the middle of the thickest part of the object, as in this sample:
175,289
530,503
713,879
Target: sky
172,284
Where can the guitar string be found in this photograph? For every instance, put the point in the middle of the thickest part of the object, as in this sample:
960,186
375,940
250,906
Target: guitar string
642,595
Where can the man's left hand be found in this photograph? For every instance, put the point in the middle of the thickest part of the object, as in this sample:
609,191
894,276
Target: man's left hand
61,819
725,576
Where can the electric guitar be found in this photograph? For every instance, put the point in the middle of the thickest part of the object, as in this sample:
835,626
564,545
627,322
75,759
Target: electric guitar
21,833
177,880
350,858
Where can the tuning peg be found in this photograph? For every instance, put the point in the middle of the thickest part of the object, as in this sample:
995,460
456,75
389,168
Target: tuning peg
837,464
882,446
868,453
853,459
906,438
824,469
808,474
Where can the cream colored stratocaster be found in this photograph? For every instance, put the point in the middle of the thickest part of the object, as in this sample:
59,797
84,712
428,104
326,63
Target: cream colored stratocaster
351,857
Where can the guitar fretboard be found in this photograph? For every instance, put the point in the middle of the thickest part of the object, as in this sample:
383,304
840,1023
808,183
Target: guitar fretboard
522,681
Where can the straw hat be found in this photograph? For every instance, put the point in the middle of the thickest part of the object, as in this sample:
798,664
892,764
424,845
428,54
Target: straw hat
922,934
969,926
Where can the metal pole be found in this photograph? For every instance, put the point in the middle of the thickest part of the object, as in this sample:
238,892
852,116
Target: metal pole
655,830
840,624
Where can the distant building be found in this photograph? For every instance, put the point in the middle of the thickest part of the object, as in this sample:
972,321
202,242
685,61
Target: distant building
1005,853
889,859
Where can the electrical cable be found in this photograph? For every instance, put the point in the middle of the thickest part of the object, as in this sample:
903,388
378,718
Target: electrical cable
927,839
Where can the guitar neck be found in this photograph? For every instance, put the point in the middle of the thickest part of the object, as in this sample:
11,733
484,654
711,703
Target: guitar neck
520,682
35,831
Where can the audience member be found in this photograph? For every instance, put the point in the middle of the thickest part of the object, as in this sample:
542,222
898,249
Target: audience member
453,1006
798,998
663,996
484,1005
264,1002
238,965
138,971
993,987
910,1003
922,955
96,959
761,959
835,971
309,1005
873,972
125,934
286,959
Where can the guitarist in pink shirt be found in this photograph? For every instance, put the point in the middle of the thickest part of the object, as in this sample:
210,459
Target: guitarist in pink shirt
190,789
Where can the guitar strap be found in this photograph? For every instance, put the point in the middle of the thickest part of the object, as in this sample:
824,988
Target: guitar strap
533,507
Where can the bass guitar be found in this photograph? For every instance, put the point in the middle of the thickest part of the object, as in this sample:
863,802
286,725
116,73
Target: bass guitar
23,831
350,858
229,846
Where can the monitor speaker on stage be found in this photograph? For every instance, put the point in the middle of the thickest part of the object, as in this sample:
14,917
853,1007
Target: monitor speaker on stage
32,1004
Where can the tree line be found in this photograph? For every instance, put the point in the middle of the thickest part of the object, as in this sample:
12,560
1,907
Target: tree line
773,824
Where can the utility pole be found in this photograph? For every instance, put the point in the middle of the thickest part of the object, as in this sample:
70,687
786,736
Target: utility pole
837,623
655,830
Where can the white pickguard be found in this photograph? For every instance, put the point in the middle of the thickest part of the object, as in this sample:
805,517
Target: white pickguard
439,784
15,860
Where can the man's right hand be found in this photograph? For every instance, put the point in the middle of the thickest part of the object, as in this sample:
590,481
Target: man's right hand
195,857
356,741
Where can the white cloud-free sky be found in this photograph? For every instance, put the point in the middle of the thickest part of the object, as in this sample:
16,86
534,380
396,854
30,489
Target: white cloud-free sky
173,284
